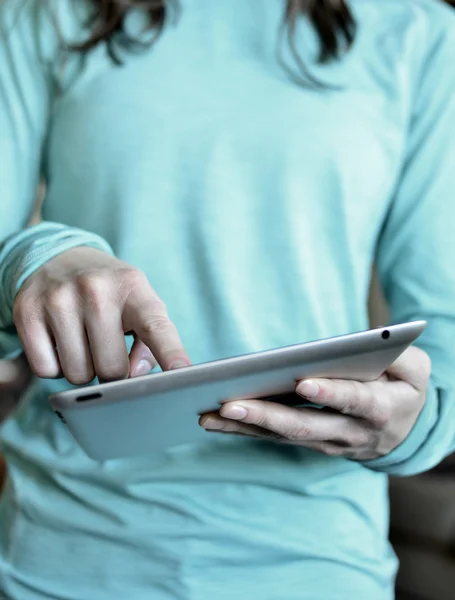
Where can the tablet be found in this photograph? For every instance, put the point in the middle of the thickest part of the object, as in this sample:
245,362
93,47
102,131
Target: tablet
139,416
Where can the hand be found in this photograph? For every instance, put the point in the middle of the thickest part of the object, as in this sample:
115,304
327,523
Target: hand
72,315
360,421
15,375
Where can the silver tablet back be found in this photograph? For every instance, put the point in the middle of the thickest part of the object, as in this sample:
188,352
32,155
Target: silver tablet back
152,413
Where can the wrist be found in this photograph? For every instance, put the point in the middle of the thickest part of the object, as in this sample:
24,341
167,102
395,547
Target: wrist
24,253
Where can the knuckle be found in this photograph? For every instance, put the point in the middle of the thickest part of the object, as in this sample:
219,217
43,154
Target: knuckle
257,418
45,371
112,372
156,324
297,433
344,396
94,286
356,391
381,415
356,399
333,450
58,299
130,279
133,276
159,308
79,377
360,438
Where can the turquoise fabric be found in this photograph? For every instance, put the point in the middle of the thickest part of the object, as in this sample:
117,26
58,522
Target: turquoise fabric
256,206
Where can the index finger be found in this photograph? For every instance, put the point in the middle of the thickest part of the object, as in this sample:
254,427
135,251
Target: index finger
146,315
345,396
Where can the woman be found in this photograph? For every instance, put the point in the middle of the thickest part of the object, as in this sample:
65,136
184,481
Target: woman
220,188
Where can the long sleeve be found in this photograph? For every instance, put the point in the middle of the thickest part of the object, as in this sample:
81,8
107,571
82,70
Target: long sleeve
28,43
416,256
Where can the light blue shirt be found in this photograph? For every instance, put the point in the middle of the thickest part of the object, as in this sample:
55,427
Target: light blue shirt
256,207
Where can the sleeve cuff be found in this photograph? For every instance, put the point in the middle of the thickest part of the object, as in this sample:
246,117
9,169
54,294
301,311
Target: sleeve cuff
23,254
410,458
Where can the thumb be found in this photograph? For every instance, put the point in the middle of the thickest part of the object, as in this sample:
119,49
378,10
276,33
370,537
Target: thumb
142,360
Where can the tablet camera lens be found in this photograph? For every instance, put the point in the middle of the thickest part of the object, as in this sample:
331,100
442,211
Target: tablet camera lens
385,334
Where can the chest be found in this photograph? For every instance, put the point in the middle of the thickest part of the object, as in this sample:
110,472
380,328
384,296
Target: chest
209,113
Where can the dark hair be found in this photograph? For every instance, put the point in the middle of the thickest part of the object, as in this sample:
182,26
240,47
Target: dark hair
332,20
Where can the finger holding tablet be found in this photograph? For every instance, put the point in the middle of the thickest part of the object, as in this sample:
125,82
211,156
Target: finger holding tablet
366,420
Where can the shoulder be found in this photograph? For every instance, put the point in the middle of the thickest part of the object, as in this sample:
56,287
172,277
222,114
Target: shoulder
423,10
34,34
14,13
43,18
407,33
427,17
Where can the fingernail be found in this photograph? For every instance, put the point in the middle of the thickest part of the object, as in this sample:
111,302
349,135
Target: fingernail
211,423
308,389
178,364
234,411
142,368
